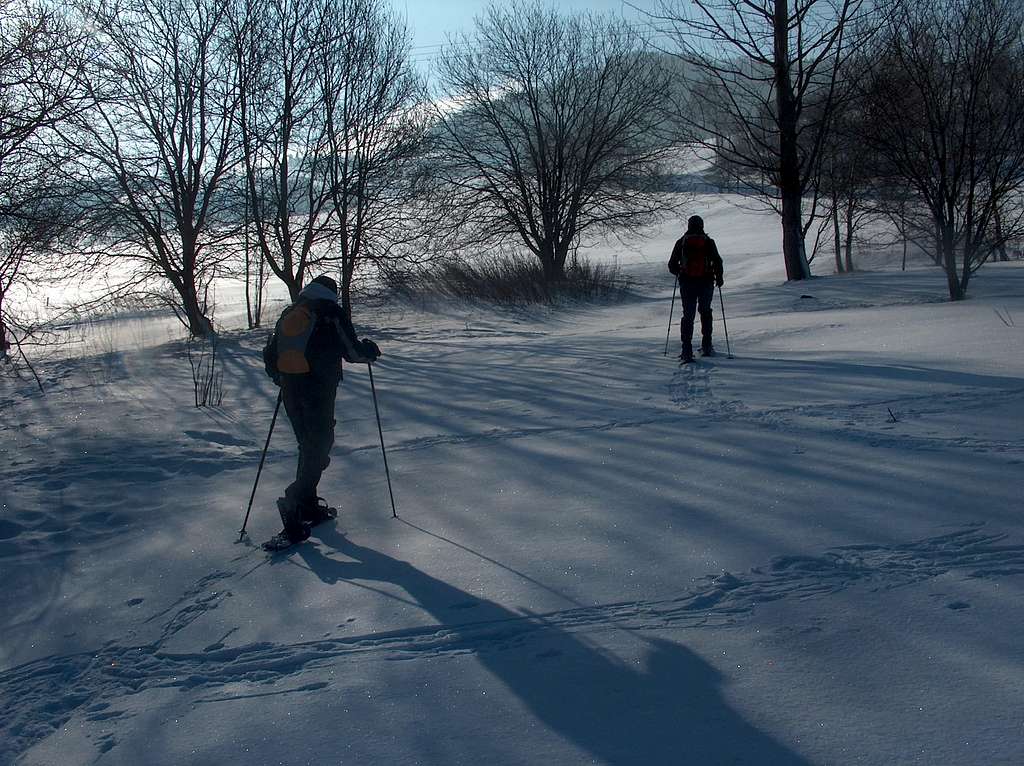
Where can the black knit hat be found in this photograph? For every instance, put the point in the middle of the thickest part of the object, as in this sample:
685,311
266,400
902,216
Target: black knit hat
327,282
696,223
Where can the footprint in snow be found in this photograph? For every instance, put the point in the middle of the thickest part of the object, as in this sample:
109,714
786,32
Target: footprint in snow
218,437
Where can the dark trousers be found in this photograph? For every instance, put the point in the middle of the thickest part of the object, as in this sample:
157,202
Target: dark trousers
309,402
696,296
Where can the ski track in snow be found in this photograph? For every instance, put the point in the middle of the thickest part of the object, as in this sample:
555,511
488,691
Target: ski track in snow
693,388
51,690
497,434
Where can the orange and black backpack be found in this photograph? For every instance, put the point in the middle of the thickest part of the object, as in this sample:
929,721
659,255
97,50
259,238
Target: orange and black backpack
286,348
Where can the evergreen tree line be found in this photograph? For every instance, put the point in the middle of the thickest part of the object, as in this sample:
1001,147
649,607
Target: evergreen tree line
186,140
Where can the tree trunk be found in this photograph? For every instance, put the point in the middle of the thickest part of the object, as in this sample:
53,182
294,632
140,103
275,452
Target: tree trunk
949,260
199,325
552,260
345,296
793,238
348,271
790,189
553,270
849,237
1001,254
250,320
965,273
261,282
939,255
836,234
5,344
252,312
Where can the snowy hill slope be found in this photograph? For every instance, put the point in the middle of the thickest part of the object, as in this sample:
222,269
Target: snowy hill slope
810,554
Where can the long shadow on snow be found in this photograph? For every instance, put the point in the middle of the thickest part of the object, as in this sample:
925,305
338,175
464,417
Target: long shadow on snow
669,711
594,381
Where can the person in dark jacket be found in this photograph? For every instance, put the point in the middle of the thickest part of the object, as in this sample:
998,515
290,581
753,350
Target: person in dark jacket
698,266
304,356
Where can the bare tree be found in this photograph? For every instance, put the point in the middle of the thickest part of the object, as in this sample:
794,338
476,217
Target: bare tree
39,59
846,182
947,117
254,269
376,123
283,135
901,209
763,77
160,142
330,127
555,129
28,260
251,51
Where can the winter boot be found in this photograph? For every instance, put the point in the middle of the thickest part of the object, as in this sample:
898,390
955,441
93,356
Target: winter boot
687,356
318,512
707,349
291,517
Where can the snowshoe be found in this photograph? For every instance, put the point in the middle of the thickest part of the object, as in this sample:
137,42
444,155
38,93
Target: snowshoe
284,539
298,522
685,358
708,351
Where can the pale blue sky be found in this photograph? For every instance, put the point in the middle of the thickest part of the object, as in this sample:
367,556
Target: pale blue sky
432,22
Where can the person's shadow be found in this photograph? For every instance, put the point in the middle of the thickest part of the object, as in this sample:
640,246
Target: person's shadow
668,711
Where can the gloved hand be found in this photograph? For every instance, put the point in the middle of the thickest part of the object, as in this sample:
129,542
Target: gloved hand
719,281
370,349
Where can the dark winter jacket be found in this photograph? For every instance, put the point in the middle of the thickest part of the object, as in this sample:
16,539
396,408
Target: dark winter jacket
333,338
692,246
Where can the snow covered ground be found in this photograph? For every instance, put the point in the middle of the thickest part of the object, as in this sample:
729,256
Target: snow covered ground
812,553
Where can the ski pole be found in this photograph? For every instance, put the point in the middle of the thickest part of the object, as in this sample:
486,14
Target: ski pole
387,473
668,332
273,422
725,326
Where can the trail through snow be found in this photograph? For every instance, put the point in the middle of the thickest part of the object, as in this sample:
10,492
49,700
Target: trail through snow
809,554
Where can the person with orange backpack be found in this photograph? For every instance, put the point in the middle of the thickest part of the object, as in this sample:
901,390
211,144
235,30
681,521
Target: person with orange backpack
304,357
698,266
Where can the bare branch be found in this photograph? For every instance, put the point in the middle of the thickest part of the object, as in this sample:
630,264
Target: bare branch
558,130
